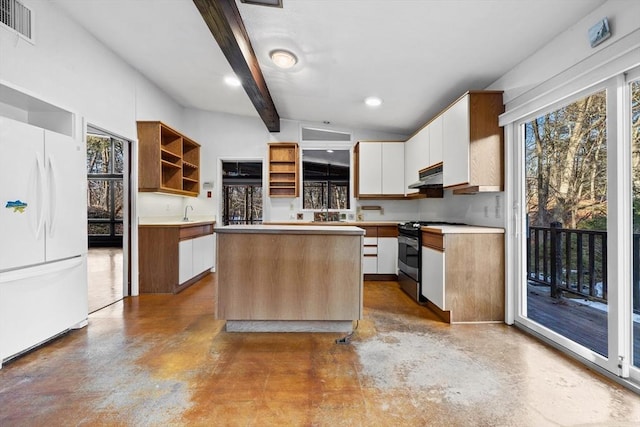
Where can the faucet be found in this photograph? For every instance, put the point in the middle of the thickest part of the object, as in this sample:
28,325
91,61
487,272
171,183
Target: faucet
186,218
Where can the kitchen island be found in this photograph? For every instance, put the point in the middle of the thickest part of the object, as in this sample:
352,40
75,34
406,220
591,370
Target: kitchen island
289,278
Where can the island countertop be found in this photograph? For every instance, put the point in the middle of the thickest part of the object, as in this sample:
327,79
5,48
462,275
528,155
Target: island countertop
290,229
372,223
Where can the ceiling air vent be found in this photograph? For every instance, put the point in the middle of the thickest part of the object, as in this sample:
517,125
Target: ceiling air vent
16,16
272,3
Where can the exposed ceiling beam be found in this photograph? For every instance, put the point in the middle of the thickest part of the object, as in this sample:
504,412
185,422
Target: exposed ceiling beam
225,23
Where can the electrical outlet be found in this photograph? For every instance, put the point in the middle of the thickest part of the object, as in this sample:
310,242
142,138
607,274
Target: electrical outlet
486,211
498,206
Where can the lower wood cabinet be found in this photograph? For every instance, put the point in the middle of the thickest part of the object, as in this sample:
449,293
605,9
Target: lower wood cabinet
463,275
173,257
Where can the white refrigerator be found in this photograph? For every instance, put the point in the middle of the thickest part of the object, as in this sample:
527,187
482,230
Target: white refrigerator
43,236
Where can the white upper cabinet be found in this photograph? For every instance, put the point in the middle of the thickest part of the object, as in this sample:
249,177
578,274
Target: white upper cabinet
392,168
435,141
455,133
411,165
422,148
370,168
380,169
416,157
472,144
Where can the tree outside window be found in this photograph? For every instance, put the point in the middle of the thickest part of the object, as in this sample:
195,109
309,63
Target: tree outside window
326,179
105,190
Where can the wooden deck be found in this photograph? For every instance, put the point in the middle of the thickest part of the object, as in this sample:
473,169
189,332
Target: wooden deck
581,323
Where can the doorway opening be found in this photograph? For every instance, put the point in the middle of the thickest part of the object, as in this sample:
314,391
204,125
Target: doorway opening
241,192
108,167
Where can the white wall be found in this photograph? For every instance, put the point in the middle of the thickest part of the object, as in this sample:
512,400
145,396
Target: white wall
231,137
568,49
68,67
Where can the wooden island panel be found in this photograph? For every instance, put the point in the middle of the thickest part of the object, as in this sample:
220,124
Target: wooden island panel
293,277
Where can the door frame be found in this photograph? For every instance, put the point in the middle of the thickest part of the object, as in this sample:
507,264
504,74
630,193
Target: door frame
129,288
619,364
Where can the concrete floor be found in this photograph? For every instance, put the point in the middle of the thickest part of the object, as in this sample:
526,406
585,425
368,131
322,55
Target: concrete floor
163,360
105,272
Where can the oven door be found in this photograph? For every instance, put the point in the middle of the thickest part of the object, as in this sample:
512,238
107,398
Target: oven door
409,256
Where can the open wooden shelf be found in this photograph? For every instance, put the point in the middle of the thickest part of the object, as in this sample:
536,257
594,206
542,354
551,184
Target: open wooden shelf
283,169
169,162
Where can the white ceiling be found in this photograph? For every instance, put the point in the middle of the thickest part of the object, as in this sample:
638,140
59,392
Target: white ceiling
417,55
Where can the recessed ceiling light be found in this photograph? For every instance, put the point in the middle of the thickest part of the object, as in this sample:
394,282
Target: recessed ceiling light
373,101
283,58
232,81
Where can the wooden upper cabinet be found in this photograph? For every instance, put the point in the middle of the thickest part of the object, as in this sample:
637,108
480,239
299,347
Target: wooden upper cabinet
284,179
473,143
168,161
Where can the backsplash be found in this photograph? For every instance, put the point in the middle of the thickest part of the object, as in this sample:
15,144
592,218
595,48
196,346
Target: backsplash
484,209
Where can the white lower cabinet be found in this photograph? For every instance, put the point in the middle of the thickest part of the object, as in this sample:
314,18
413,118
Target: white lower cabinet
185,260
433,276
370,259
387,255
195,256
380,250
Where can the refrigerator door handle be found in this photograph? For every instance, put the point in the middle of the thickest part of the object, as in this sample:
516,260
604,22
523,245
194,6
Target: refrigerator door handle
40,185
41,270
51,169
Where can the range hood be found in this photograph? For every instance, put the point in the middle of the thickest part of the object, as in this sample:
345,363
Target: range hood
429,178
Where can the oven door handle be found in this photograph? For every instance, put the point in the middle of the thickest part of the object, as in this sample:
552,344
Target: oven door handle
409,241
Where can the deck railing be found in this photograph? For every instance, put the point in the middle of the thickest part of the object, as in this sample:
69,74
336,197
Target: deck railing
575,261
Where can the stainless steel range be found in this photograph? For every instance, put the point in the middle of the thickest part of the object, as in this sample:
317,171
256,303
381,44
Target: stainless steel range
410,256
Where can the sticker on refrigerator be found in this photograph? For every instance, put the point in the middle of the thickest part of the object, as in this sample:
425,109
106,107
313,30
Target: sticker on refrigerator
17,206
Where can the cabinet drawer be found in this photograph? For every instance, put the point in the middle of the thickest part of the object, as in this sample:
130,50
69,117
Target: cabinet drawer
435,241
370,232
370,246
190,232
388,231
370,250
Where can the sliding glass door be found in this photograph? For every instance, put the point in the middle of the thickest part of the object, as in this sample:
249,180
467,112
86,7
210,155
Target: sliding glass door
576,199
566,207
634,133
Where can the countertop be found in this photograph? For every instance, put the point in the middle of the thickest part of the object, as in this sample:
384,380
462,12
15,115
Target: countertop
462,229
335,223
290,229
174,222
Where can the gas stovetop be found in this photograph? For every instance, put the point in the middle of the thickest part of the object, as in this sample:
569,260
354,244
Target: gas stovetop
413,227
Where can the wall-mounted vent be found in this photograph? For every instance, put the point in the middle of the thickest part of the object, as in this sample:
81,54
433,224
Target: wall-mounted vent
313,134
16,16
